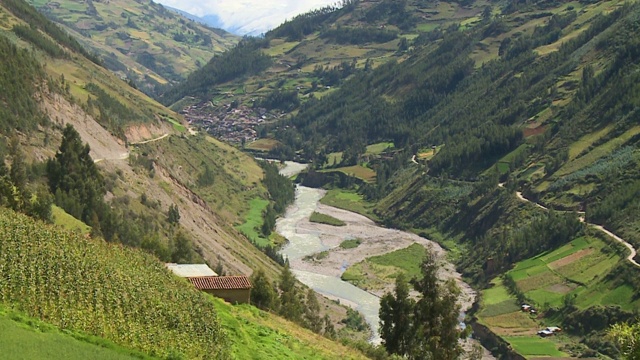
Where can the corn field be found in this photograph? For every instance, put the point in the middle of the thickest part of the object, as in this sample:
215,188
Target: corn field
106,290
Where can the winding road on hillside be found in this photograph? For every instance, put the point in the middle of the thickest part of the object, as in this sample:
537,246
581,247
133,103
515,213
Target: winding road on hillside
125,155
633,252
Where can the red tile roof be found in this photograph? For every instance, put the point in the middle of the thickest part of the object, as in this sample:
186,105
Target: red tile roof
221,282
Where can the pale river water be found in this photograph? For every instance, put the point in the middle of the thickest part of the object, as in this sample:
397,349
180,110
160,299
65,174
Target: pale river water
306,239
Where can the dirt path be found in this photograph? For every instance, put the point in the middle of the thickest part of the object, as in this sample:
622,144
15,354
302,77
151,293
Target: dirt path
150,140
630,258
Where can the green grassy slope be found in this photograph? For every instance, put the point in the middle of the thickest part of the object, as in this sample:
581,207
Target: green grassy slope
145,42
26,338
131,299
297,54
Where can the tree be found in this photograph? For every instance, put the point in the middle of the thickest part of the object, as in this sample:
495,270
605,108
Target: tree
75,179
173,215
627,337
329,329
182,249
426,329
290,299
313,321
263,294
435,316
395,316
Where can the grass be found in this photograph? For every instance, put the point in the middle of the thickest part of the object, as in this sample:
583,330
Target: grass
350,244
358,171
253,221
379,148
262,145
377,271
530,346
349,200
317,217
68,222
255,334
496,294
27,338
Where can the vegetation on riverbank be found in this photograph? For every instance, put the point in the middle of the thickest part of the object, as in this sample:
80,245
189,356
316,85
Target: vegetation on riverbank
325,219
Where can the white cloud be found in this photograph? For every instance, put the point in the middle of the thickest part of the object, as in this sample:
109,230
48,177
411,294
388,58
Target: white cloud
248,16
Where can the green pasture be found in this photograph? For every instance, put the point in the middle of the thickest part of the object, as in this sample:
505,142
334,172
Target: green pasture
317,217
253,222
379,148
533,346
63,219
376,271
349,200
23,338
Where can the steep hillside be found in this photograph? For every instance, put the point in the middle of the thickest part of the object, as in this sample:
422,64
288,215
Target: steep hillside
311,56
145,43
86,286
122,168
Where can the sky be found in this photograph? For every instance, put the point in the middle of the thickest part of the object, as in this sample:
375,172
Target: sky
248,16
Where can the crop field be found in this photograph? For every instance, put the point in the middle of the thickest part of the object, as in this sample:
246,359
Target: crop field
532,346
126,296
263,145
572,268
578,268
597,153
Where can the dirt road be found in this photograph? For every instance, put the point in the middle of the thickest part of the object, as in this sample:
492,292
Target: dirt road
632,255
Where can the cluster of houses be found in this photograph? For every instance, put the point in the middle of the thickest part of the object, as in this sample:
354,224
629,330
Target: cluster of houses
233,289
234,124
548,331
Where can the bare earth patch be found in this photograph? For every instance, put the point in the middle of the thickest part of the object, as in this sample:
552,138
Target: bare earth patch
569,259
561,288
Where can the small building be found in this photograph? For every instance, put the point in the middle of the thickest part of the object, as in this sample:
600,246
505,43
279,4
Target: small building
191,270
233,289
525,307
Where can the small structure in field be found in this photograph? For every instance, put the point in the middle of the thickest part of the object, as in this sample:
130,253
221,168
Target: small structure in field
233,289
549,331
191,270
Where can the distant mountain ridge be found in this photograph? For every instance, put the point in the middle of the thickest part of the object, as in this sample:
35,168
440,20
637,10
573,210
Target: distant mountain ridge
144,43
211,20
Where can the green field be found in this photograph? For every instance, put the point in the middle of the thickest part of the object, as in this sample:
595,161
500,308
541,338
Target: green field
278,338
349,200
571,269
376,271
68,222
253,222
579,269
317,217
23,338
379,148
532,346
